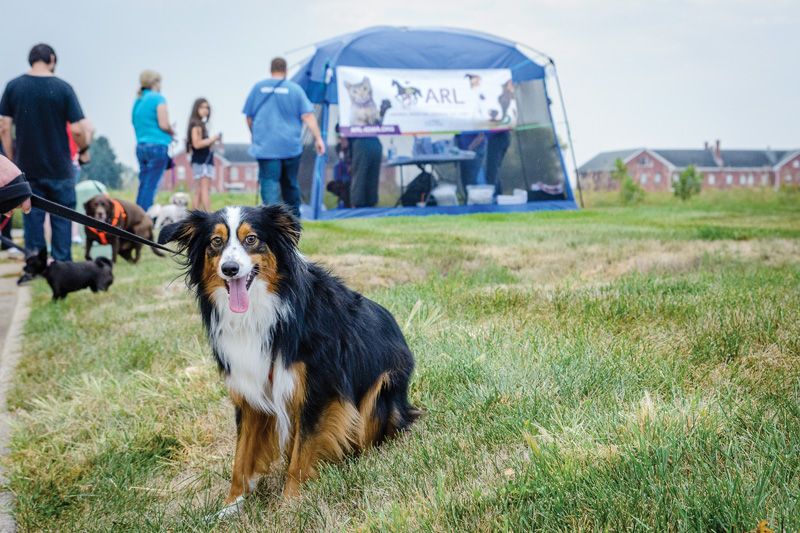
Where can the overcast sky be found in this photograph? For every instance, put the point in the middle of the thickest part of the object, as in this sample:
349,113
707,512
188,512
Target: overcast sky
655,73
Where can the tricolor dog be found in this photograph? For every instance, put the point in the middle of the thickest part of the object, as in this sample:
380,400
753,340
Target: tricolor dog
315,370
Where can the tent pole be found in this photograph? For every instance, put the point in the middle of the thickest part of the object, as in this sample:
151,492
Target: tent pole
522,161
569,132
319,163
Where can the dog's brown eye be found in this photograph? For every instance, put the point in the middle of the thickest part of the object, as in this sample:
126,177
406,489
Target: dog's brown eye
216,242
250,240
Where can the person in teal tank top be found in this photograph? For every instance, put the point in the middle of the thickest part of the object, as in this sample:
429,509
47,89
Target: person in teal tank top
153,136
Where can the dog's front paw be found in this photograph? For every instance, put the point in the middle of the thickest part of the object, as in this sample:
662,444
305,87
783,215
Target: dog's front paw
229,510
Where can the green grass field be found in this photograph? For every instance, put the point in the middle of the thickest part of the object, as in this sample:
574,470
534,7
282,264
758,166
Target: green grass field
607,369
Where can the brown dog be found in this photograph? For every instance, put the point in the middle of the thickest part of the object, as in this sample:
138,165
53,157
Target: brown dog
124,215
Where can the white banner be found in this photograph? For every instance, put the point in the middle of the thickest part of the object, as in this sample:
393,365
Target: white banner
377,101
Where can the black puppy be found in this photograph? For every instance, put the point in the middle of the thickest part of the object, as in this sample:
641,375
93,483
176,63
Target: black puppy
65,277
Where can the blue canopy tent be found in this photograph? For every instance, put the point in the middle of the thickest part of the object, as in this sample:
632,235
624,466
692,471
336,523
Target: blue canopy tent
388,47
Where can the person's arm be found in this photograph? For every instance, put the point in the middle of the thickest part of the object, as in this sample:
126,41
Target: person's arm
82,133
311,123
163,119
198,143
79,126
5,136
8,173
476,142
248,109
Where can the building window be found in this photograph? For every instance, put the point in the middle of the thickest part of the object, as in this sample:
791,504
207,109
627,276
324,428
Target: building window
645,161
657,177
711,179
643,179
788,178
235,174
742,179
675,177
181,172
729,179
796,163
248,174
751,179
764,179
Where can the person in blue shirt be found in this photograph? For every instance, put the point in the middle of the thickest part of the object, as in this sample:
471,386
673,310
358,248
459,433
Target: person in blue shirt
276,110
153,136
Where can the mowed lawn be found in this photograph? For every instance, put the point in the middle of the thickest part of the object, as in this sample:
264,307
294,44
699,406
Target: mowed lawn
608,369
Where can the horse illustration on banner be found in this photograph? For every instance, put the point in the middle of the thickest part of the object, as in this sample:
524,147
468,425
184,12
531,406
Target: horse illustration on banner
406,95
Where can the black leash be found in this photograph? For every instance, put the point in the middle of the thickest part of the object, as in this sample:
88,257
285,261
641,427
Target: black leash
11,244
74,216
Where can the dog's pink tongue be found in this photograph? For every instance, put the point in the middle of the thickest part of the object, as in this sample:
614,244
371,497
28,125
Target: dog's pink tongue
238,301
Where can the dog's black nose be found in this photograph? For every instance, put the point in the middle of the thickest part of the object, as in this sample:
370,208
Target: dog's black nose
230,268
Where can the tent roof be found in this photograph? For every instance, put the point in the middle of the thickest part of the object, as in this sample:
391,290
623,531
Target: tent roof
411,48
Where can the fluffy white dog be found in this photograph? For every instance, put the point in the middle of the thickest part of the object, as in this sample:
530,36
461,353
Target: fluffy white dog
175,211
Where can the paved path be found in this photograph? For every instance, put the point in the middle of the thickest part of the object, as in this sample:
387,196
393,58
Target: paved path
14,308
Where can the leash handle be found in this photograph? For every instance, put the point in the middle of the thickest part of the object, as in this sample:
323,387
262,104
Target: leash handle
85,220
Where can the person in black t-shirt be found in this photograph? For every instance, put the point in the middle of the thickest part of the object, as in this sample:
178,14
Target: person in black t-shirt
41,106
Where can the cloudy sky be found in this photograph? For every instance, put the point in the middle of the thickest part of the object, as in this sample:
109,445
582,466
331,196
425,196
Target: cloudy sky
659,73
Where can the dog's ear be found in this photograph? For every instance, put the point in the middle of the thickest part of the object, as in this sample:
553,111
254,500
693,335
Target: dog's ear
87,204
104,262
281,219
184,231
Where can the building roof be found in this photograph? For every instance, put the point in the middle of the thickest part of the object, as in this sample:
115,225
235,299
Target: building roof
604,161
684,158
236,153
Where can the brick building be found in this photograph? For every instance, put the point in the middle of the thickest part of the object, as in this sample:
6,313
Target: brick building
234,170
655,169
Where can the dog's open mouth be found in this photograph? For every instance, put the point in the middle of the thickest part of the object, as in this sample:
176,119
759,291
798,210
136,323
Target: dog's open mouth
238,299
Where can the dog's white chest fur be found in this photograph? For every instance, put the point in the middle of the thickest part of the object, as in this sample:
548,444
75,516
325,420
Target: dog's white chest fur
244,341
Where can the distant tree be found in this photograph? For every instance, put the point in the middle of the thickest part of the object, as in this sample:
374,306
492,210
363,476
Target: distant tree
688,183
629,191
103,166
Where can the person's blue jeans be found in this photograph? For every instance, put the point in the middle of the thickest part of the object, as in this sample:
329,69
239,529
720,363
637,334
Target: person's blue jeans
61,191
152,163
471,168
496,149
278,177
366,169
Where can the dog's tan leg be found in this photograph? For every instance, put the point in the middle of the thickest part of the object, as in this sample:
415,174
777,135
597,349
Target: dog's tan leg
255,447
335,434
371,426
292,486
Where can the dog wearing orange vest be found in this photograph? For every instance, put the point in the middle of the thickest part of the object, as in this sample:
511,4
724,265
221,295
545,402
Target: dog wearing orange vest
122,214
